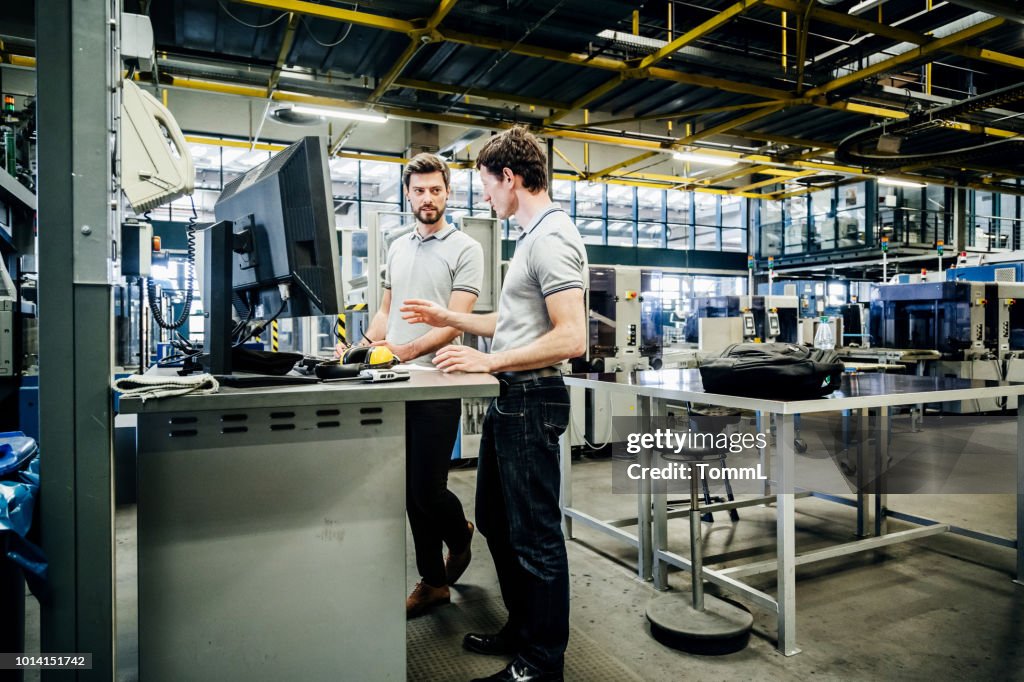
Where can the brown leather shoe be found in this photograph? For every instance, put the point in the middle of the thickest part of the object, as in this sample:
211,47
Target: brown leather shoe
455,564
425,597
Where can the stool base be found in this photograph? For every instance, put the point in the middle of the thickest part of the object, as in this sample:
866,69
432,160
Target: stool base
723,627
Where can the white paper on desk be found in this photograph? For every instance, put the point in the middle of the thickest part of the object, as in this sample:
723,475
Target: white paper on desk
417,368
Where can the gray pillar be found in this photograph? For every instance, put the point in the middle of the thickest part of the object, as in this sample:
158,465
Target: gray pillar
73,42
423,137
959,219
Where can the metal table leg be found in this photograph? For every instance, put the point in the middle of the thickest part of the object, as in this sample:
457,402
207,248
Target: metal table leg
643,513
863,430
764,455
659,525
785,529
565,486
881,467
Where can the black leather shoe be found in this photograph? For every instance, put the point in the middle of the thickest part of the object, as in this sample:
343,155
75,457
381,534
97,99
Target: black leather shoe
521,671
490,645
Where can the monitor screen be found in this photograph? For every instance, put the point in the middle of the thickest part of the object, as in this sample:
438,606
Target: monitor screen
284,212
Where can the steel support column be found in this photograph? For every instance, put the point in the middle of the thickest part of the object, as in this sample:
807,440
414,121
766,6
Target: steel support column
75,219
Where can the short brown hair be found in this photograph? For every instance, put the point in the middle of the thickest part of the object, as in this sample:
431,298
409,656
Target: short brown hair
427,163
519,151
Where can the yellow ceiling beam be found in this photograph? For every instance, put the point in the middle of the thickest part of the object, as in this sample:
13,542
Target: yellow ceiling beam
782,139
446,89
661,177
565,158
782,172
915,54
714,23
766,183
894,33
312,9
688,113
282,54
730,124
714,83
586,99
514,47
418,38
237,144
731,175
622,164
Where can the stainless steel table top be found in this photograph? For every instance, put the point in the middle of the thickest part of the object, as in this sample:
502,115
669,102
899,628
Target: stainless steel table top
859,390
422,385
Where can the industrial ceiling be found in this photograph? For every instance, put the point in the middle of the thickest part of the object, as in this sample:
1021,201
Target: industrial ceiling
790,90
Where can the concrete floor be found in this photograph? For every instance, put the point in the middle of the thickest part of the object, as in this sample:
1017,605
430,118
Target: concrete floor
940,608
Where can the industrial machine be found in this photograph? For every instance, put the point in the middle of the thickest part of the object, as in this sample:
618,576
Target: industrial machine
625,335
625,320
743,318
977,328
19,344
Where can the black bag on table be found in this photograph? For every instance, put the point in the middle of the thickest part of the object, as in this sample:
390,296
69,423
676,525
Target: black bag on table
779,371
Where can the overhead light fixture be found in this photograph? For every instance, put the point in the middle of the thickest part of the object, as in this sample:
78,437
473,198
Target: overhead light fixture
891,182
705,158
341,113
864,6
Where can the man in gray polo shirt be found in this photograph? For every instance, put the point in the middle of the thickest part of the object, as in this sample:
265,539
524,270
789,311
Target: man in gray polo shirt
541,321
438,263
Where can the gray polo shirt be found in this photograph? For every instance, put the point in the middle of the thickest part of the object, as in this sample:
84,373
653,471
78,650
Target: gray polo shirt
550,257
431,268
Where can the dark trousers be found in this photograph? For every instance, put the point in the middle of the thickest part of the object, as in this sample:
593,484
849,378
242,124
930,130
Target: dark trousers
435,513
517,511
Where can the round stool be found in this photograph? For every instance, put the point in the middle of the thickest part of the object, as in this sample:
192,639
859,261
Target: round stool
698,623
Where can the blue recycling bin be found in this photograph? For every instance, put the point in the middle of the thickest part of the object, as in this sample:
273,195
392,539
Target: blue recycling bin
19,491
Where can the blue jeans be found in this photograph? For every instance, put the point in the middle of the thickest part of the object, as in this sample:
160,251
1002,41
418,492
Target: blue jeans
517,510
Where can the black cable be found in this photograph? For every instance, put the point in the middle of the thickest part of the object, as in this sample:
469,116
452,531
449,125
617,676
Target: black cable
151,285
258,329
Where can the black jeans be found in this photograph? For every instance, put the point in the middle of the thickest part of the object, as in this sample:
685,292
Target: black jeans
517,511
435,513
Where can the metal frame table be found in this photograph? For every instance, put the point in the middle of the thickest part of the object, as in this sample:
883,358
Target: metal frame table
654,389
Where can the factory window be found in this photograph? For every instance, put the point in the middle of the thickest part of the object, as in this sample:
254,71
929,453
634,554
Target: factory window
620,203
591,229
679,213
480,207
620,232
707,219
561,191
459,196
795,221
734,240
650,214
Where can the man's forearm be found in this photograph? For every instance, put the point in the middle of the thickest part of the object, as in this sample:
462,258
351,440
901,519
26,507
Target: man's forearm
430,342
480,325
552,348
377,329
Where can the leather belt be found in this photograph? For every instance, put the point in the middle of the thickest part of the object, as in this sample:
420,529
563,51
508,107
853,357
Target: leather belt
527,375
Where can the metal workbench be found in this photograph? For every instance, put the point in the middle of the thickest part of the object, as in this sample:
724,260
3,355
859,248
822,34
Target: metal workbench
864,392
271,529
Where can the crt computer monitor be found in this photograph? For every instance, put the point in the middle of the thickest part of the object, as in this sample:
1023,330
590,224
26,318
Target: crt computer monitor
275,232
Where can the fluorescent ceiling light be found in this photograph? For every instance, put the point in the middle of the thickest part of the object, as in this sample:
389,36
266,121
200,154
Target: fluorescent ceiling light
705,158
864,6
341,113
890,182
